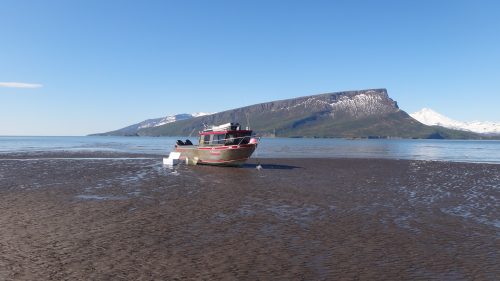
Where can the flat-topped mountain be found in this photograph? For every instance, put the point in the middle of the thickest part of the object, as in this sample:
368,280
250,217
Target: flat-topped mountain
351,114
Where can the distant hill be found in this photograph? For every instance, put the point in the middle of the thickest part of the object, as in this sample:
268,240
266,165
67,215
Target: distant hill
351,114
150,123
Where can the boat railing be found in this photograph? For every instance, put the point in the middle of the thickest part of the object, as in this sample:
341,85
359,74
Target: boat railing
242,138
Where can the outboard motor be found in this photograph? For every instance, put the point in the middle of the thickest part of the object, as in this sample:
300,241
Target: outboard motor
179,142
188,142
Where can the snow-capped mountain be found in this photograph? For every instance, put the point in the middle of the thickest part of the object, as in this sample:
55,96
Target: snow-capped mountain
169,119
432,118
132,129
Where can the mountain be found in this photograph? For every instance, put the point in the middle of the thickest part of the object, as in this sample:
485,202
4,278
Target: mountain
351,114
151,123
432,118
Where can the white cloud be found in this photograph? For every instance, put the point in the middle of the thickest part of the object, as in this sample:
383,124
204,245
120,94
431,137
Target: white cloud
20,85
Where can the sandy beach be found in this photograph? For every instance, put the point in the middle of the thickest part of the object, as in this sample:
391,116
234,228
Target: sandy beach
109,216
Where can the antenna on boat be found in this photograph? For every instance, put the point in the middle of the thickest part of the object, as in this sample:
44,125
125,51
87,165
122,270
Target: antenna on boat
248,120
192,131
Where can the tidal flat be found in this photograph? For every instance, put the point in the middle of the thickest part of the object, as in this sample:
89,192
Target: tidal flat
114,216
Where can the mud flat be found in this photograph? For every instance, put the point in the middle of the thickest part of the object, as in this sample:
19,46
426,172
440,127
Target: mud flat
95,216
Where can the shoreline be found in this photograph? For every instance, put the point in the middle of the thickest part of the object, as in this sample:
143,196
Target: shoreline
112,155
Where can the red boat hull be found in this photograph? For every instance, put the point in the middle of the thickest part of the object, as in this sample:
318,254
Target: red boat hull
230,155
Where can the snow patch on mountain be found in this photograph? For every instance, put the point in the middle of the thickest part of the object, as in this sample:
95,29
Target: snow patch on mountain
356,105
169,119
198,114
432,118
362,105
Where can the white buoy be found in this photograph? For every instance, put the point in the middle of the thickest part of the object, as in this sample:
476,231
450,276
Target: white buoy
172,159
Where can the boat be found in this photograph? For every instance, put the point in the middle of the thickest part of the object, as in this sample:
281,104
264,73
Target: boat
222,145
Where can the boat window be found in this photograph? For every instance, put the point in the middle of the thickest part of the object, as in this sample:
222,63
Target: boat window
219,139
244,138
231,139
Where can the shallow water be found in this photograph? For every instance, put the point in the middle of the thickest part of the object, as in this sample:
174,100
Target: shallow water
309,219
472,151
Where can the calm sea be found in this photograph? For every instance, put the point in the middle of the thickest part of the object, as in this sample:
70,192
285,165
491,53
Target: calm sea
441,150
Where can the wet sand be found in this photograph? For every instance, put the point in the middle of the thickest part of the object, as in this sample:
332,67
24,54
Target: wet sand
108,216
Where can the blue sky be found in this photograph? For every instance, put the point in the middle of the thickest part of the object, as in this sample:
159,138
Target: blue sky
102,65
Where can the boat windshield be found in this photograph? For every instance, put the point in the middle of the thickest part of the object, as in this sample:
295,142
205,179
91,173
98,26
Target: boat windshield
230,138
237,138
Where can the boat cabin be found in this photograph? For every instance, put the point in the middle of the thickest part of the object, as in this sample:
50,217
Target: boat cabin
226,134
